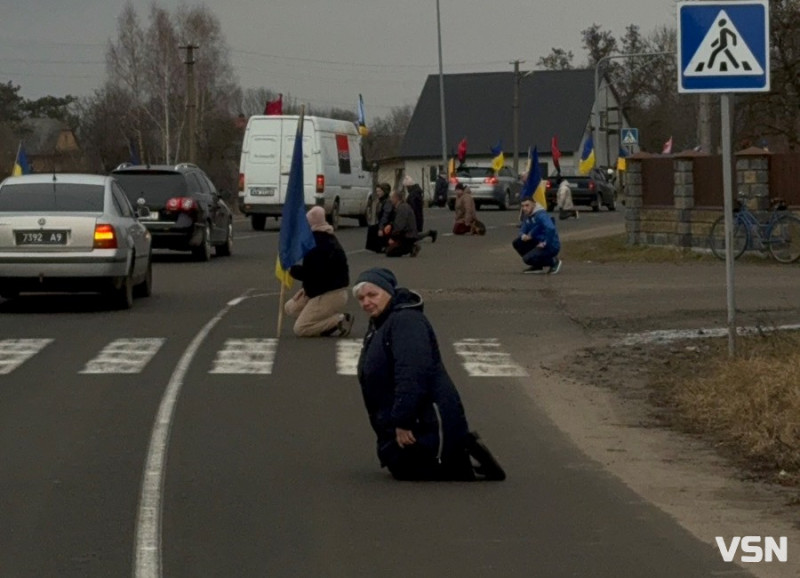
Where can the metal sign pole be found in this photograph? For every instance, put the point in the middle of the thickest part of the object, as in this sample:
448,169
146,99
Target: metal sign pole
727,194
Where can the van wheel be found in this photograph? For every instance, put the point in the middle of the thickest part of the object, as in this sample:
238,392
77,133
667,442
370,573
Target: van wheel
333,218
258,222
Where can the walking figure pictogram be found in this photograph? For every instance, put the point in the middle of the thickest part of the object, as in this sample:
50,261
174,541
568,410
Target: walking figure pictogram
721,45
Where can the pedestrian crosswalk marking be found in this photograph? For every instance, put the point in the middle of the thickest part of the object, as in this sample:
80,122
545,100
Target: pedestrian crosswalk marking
249,355
723,52
14,352
483,358
347,352
124,356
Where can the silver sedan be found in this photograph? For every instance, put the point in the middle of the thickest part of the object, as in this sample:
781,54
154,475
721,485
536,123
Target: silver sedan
72,233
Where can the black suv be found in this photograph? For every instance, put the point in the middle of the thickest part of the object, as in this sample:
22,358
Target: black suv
180,207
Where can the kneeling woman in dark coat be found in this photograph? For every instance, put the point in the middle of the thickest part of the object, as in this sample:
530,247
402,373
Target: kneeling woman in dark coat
411,401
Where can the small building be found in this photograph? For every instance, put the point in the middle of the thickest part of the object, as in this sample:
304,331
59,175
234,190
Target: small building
51,146
480,108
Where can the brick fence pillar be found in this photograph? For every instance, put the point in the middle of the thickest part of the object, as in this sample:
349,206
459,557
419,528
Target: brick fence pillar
752,177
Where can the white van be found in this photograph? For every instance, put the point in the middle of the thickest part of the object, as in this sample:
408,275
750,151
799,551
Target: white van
333,172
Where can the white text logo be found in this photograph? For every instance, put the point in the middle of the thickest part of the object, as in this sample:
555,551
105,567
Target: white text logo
751,548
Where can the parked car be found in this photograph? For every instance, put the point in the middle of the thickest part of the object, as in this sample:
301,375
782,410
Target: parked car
185,211
72,232
501,189
593,190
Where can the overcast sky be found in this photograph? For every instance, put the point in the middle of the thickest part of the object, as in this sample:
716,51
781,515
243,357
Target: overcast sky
324,52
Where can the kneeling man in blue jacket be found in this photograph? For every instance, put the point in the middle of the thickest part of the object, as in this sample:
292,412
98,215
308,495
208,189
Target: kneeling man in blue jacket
537,242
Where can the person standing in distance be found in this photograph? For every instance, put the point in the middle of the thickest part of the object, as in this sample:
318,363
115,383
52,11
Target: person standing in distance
412,404
414,198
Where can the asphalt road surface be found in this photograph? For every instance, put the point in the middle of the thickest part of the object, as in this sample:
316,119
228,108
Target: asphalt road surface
185,438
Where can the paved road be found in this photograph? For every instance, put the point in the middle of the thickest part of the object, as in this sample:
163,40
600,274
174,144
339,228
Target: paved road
268,465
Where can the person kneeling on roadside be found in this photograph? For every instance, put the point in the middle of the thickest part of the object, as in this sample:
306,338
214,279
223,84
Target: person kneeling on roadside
412,404
538,242
320,305
466,222
402,232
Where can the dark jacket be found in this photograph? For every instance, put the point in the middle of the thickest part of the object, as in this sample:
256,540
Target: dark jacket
404,225
415,201
405,384
384,212
324,267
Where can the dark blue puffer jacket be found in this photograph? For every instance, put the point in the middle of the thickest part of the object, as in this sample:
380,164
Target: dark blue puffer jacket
405,384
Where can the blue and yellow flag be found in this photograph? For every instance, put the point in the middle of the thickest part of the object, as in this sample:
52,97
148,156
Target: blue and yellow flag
498,160
295,238
587,157
534,186
362,117
21,164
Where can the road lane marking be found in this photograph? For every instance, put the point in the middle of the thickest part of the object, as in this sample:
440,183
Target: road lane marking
15,352
347,352
483,358
125,355
246,356
147,554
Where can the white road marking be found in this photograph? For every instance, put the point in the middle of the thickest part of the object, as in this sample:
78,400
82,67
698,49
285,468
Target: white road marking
147,552
483,358
125,356
246,356
15,352
347,352
669,335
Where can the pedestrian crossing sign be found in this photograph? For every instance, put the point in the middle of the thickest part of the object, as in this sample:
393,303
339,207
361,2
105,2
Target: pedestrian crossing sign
723,47
630,136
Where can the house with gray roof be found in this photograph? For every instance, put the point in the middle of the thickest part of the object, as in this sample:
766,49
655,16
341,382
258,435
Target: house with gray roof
480,108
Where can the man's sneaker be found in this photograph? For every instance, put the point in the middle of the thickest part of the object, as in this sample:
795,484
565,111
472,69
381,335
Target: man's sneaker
345,325
533,271
434,235
415,250
556,268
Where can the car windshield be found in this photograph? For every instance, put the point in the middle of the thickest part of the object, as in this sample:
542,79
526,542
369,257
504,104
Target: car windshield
51,198
154,187
475,172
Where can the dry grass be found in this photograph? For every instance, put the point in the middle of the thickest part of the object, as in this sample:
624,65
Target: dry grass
750,405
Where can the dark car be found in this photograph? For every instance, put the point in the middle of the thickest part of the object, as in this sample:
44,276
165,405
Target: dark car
186,212
593,190
489,187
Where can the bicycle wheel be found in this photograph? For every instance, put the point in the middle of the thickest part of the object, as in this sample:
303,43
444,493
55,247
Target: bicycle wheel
784,239
716,239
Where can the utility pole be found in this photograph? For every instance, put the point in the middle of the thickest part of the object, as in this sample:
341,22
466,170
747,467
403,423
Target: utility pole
441,88
191,101
704,123
515,108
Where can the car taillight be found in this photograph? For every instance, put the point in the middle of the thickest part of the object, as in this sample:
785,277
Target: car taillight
591,185
548,184
241,182
320,183
490,180
105,237
181,204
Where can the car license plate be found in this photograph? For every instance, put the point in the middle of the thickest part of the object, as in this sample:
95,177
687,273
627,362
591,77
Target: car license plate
151,216
48,237
262,191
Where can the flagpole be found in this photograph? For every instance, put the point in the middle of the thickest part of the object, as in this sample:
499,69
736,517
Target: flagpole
283,285
16,158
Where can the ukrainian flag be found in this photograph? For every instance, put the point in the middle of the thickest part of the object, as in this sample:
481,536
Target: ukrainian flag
587,157
296,238
498,160
534,185
362,117
21,164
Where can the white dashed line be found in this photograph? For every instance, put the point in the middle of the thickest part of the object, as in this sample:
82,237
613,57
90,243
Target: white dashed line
15,352
125,356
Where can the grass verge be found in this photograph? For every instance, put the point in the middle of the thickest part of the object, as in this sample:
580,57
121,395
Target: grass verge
749,405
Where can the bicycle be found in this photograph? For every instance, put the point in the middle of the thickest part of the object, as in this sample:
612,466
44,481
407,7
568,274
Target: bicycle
779,234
